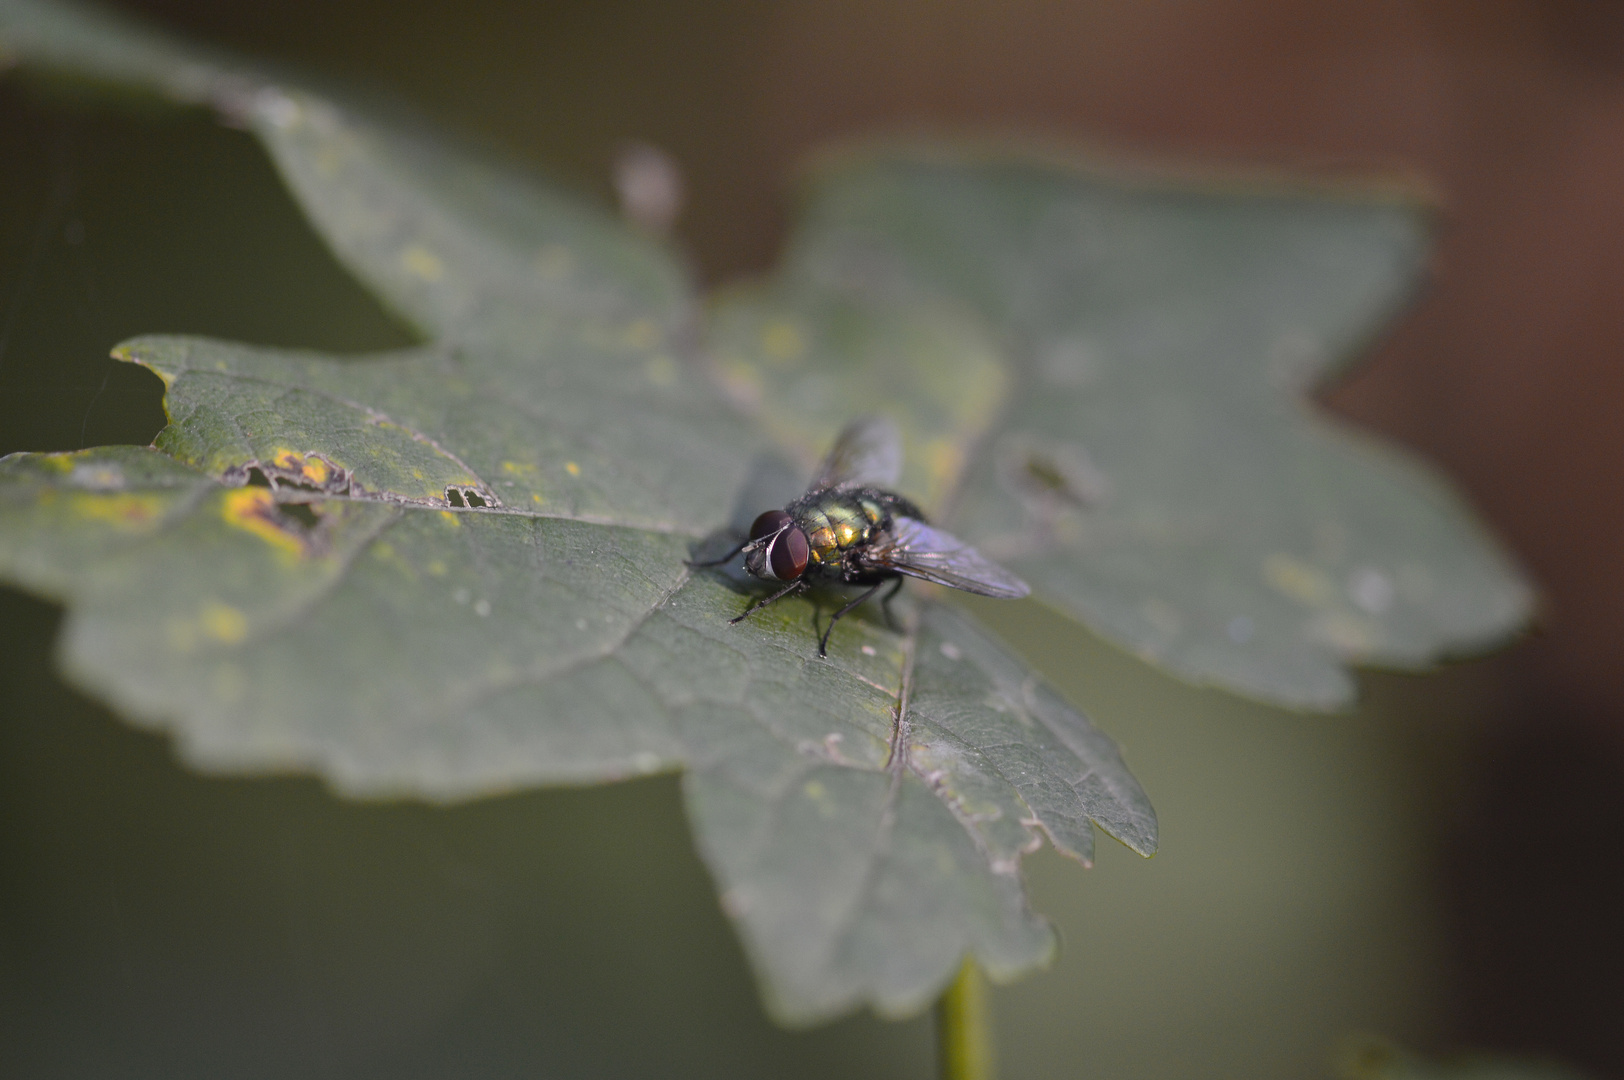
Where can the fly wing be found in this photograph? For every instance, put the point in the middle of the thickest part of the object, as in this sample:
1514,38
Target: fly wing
916,549
867,453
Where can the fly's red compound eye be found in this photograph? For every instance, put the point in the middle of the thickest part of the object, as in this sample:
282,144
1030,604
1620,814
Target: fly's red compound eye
769,523
788,554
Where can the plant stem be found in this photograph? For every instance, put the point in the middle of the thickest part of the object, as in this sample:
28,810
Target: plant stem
964,1028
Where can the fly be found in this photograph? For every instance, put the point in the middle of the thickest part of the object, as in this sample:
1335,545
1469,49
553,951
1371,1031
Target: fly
851,529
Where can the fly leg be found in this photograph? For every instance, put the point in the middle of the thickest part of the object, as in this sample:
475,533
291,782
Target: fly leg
729,557
794,586
885,605
823,642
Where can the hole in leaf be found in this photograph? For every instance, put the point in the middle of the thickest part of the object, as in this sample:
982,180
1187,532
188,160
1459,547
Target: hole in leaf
292,472
469,497
303,513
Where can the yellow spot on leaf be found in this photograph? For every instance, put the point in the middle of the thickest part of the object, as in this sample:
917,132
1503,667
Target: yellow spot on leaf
311,468
126,510
222,622
518,468
254,510
572,468
535,498
742,380
423,263
1352,635
945,458
783,341
642,334
820,796
451,519
1300,581
437,568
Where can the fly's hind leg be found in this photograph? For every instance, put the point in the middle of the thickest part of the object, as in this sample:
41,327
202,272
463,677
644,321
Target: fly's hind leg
823,642
885,604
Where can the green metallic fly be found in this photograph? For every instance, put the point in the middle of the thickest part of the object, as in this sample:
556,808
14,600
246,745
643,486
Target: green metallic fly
850,529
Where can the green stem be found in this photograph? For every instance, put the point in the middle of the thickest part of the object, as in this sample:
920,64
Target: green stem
964,1028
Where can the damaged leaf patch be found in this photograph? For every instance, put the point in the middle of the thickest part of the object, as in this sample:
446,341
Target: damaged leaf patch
252,418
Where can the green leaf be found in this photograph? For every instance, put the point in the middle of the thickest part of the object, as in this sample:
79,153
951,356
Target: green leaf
1155,470
396,649
805,361
459,569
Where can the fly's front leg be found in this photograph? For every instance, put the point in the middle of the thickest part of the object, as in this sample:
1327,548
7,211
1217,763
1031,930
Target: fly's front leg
794,586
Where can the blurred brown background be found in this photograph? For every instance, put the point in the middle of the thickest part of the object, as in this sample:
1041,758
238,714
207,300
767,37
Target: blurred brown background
1508,372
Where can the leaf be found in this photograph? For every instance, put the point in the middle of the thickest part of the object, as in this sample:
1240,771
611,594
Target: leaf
805,361
402,650
456,570
1155,470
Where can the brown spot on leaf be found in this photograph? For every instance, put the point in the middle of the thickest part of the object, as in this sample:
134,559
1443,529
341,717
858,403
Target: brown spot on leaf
292,469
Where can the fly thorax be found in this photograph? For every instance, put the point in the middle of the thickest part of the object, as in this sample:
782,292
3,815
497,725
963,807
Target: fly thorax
848,523
820,535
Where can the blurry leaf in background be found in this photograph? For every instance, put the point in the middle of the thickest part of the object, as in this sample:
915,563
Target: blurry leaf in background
1157,471
458,569
1374,1059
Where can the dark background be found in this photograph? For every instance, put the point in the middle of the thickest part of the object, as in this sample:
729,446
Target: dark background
1443,866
